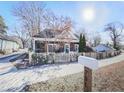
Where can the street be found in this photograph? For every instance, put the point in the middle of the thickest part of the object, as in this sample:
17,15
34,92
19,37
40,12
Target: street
5,62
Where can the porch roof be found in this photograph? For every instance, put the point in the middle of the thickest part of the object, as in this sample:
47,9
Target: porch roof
56,40
50,36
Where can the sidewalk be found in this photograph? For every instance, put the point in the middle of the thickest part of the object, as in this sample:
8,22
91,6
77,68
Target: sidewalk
9,55
108,61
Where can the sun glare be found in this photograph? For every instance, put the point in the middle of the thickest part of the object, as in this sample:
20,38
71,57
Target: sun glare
88,14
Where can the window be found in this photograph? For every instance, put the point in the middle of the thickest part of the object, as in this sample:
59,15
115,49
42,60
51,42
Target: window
39,47
51,47
67,48
72,47
76,47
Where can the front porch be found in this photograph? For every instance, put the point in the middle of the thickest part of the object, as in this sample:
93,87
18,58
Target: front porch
54,46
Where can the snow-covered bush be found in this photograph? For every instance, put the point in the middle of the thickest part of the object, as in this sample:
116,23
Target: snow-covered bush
39,59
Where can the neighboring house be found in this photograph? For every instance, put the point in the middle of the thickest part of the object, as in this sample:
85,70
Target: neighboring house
102,48
55,41
8,44
18,40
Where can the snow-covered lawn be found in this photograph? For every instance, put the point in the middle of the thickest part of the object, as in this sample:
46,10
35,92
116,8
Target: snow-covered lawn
17,79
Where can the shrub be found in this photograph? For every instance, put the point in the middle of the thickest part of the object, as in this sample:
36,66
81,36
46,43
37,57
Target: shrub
34,59
39,59
2,52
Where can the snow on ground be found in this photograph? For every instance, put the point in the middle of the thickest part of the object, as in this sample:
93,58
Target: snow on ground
5,65
16,80
6,68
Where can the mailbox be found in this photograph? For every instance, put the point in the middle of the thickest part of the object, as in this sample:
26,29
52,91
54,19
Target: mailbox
89,62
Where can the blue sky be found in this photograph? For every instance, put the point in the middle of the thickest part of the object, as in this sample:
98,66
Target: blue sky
105,12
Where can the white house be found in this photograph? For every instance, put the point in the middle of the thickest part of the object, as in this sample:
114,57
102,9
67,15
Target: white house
8,44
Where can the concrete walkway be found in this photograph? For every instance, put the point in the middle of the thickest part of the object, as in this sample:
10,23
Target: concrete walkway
108,61
16,80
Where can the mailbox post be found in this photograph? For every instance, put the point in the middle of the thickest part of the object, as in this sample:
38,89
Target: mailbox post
89,65
87,79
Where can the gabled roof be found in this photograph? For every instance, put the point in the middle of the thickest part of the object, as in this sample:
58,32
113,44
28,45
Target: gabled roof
67,35
49,33
6,37
11,39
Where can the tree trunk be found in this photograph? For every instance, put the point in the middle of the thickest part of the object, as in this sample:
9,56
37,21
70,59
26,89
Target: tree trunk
114,44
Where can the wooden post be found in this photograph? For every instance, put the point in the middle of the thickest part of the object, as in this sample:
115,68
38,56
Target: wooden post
87,79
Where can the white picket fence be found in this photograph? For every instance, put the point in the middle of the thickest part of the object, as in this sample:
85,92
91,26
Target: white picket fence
102,55
60,57
73,57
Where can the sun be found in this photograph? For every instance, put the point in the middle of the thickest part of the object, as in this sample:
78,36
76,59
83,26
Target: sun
88,14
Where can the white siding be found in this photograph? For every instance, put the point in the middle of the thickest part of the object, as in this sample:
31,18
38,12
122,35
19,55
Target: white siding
8,46
0,44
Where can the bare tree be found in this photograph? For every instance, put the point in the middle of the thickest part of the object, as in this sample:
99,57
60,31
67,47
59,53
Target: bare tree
68,23
22,35
115,29
35,17
57,23
50,19
30,14
96,40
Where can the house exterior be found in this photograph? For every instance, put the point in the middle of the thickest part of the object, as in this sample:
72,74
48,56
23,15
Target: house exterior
49,41
8,44
102,48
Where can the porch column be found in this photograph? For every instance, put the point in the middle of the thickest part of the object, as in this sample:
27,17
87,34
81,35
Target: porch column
33,45
1,44
46,47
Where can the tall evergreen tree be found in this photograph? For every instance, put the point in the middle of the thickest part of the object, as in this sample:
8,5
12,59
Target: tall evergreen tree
81,43
3,27
84,43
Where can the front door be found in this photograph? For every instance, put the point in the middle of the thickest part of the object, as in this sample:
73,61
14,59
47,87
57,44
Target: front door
67,48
